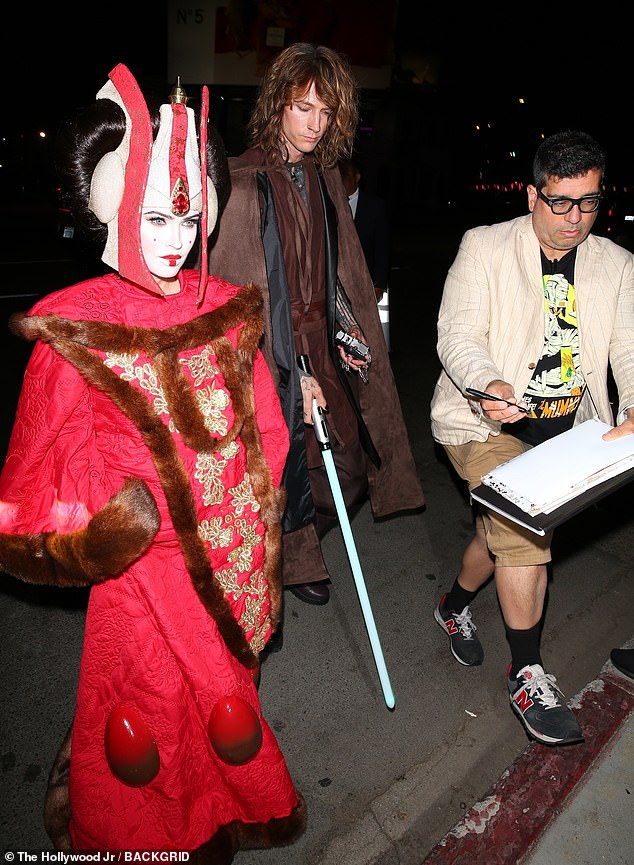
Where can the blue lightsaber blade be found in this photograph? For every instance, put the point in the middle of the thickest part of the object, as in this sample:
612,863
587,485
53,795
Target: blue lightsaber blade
323,437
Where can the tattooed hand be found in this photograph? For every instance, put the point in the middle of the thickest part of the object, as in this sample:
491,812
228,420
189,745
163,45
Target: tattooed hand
310,391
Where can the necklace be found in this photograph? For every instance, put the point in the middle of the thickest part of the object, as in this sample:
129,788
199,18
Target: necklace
296,171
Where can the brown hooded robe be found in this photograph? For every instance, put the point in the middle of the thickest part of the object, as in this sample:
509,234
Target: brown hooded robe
238,254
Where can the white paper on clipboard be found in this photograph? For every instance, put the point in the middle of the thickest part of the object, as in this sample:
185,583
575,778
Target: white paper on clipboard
554,472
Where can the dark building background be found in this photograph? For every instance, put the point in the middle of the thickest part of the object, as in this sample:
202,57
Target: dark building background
449,141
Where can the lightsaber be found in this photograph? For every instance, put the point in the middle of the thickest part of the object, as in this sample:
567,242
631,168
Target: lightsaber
323,438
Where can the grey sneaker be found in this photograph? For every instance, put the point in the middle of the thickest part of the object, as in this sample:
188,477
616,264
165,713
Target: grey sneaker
465,645
535,699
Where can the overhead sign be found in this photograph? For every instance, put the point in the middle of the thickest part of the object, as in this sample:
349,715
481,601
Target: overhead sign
216,42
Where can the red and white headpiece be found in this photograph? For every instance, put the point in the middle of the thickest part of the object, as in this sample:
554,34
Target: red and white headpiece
169,173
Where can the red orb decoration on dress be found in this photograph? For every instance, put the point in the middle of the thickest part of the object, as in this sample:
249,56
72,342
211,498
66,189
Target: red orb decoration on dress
131,751
234,730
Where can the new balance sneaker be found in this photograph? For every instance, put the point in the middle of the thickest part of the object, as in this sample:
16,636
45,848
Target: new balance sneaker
536,700
465,645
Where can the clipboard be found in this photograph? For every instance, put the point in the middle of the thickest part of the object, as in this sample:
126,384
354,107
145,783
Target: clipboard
550,483
542,523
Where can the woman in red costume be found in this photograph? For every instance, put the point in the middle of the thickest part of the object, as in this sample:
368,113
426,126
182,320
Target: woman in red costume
145,461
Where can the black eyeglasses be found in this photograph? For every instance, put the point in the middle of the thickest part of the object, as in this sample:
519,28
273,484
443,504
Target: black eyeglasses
560,206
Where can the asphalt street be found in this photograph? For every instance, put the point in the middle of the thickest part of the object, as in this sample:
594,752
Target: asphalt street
381,785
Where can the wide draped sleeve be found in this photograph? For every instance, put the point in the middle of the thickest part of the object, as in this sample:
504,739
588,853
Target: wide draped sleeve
52,478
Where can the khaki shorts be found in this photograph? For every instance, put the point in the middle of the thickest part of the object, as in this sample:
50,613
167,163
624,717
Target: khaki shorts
511,545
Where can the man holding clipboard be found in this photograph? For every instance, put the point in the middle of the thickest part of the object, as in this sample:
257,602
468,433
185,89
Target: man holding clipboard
534,310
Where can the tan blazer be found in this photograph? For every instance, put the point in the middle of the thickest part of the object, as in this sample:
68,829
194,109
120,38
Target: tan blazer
491,325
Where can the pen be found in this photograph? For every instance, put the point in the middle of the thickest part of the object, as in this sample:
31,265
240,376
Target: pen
484,395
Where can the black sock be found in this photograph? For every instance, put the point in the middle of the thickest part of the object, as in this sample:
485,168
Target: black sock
524,648
457,598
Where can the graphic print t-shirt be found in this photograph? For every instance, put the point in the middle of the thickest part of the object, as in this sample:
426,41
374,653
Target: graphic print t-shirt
556,388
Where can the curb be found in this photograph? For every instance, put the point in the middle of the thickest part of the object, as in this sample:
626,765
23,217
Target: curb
503,826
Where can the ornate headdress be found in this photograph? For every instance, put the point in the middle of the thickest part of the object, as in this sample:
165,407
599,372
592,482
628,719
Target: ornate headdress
170,172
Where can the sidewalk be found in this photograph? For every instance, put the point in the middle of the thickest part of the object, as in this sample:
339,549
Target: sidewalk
552,806
560,806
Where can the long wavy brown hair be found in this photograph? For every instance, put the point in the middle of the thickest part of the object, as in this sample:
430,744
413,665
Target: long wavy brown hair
286,80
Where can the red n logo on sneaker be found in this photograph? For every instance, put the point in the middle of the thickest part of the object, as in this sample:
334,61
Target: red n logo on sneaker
523,700
451,626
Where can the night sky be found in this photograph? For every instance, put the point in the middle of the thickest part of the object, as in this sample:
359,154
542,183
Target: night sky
73,46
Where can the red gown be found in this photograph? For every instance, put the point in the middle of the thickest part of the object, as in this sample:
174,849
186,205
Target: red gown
153,638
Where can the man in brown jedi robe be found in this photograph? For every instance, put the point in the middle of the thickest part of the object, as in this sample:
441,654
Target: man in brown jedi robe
288,228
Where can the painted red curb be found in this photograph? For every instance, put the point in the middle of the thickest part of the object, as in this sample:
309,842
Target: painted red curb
502,827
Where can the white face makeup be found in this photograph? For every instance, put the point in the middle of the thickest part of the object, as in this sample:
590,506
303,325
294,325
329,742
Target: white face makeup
166,241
